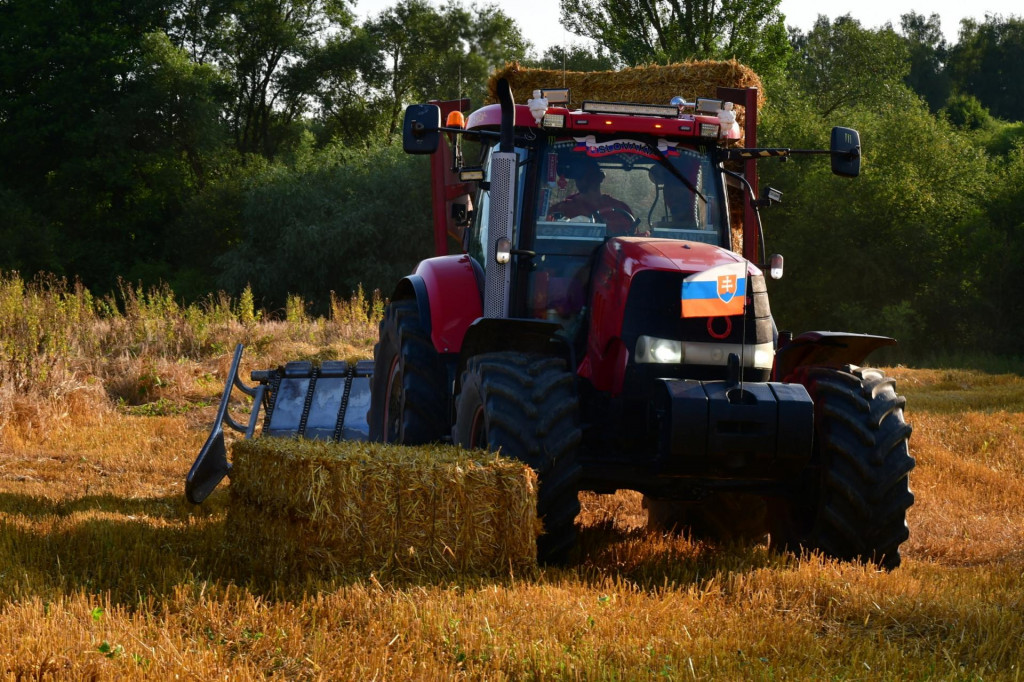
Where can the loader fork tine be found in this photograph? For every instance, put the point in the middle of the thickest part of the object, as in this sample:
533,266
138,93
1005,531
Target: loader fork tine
212,465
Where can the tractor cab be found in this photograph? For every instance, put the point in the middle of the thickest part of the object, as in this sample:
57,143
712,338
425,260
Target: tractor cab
576,193
581,179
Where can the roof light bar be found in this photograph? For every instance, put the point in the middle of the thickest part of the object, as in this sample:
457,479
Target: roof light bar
631,109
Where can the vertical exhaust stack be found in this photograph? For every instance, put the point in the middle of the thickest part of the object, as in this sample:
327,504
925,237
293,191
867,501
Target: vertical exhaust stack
501,224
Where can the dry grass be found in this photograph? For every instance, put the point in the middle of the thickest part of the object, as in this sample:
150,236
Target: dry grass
107,573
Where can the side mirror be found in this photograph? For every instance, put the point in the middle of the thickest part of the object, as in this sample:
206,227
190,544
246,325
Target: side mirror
845,150
420,131
462,214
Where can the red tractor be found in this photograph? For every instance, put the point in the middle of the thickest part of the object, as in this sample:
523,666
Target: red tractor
600,327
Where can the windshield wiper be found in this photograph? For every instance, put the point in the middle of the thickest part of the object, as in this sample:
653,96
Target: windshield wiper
663,159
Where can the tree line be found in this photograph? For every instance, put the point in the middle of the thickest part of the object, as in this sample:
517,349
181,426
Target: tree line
214,144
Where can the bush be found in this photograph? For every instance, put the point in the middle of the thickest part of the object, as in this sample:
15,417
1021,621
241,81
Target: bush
334,220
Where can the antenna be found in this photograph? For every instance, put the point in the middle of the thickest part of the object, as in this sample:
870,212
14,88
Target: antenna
564,54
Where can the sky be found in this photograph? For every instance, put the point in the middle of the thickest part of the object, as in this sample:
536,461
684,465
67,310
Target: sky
539,18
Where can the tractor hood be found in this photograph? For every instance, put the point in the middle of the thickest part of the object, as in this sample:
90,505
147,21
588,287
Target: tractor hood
620,261
629,255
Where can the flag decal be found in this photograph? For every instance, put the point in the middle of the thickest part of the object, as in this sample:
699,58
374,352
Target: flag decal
715,292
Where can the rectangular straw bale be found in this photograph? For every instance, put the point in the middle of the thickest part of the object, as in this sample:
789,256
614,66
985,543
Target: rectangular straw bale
280,547
359,507
653,84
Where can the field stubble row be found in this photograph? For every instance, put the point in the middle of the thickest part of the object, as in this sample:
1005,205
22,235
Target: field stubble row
106,571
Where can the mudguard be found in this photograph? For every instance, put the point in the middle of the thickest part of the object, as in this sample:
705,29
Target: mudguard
447,291
494,335
826,349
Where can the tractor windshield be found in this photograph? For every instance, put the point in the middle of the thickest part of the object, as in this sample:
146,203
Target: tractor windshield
589,190
624,187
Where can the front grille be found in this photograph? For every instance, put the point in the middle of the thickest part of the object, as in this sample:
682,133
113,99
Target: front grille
653,308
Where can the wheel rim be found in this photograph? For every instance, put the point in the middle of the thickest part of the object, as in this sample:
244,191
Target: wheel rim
393,404
478,431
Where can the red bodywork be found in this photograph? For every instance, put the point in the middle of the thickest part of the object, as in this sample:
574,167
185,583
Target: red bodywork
445,186
454,299
620,260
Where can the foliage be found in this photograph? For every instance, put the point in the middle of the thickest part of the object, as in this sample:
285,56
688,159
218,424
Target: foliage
987,57
894,251
427,53
331,222
965,111
928,52
576,57
662,31
840,63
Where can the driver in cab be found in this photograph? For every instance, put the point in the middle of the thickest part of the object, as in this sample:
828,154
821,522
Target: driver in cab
590,203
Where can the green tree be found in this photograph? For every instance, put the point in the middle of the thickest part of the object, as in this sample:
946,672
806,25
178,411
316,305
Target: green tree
928,52
102,129
330,222
428,53
576,57
664,31
840,63
279,57
988,63
965,111
889,252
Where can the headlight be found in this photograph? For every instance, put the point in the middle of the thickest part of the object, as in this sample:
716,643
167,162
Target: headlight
662,351
652,350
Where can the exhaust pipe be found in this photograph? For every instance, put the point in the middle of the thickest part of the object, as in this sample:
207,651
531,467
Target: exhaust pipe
508,116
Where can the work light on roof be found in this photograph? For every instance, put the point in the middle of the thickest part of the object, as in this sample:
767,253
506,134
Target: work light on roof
556,95
631,109
706,105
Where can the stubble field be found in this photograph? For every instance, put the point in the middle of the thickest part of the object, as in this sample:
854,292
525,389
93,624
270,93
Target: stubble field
106,572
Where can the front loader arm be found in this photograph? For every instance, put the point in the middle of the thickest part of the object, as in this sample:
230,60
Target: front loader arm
328,401
212,465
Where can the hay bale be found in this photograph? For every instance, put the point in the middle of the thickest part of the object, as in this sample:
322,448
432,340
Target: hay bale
345,508
653,84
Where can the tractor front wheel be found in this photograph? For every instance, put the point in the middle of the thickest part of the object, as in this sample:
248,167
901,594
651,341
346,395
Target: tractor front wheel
408,397
853,505
525,407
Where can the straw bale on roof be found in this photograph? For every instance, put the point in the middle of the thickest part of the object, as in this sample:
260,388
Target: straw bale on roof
655,84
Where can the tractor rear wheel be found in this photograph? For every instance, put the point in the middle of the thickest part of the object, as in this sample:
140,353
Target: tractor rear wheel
721,517
408,397
854,505
525,406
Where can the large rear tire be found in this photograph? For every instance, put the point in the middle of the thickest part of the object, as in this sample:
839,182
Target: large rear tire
409,397
854,507
525,406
